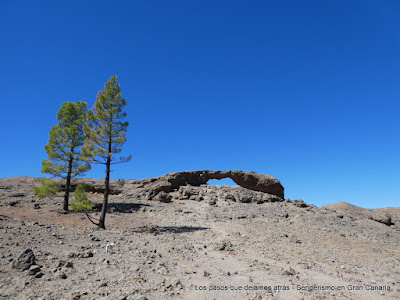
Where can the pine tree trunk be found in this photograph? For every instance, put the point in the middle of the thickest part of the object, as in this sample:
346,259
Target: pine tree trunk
106,192
68,185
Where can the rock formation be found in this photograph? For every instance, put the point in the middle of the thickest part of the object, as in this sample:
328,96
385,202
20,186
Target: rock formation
25,260
171,182
252,187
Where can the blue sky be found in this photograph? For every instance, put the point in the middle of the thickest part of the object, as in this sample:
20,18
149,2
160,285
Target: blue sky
307,91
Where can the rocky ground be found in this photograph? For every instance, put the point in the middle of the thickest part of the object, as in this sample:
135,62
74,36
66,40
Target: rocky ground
204,242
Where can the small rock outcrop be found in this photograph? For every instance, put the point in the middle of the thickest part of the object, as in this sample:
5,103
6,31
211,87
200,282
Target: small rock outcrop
25,260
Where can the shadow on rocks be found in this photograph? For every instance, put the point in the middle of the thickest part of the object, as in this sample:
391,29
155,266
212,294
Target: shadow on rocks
168,229
120,207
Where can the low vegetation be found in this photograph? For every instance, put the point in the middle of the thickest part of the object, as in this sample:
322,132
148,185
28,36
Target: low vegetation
81,203
48,188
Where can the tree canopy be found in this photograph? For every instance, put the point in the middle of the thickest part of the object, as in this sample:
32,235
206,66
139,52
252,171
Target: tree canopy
105,133
64,148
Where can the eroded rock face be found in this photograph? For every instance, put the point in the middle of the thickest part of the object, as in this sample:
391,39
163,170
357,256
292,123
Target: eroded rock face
173,181
213,193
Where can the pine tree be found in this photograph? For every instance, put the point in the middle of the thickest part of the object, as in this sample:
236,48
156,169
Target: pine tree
81,203
65,145
105,133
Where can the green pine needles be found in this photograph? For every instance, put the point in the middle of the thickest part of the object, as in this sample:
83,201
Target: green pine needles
81,203
105,130
65,143
83,136
48,188
105,133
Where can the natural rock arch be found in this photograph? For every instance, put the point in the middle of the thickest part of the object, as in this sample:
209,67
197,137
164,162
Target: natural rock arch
247,179
150,187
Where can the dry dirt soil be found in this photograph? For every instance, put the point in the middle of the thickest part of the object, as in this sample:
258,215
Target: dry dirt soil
190,249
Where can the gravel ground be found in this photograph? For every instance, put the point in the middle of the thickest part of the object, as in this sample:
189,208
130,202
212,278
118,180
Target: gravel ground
189,249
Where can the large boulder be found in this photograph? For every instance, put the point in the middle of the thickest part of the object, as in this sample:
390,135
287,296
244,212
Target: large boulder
163,197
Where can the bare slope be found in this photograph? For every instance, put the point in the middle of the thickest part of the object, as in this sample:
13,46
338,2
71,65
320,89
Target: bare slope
174,250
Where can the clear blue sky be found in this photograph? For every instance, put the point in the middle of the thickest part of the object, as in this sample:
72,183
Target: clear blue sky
307,91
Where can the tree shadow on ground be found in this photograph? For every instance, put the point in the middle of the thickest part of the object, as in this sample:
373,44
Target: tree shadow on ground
120,207
168,229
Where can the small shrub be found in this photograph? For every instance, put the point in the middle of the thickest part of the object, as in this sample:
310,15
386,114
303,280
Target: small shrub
49,188
199,198
81,203
121,182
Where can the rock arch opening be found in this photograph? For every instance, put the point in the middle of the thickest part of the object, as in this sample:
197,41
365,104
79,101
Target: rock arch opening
223,181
